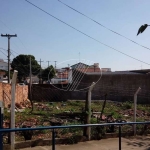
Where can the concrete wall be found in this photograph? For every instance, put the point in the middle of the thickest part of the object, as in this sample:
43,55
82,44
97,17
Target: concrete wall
5,93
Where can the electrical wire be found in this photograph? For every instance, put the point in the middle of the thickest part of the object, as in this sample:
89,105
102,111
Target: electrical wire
86,34
102,25
3,49
7,50
14,51
13,31
3,52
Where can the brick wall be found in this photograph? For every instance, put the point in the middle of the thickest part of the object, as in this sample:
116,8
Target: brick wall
118,88
5,93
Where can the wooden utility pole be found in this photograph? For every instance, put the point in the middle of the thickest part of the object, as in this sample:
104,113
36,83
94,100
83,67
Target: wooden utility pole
40,66
8,36
55,64
48,62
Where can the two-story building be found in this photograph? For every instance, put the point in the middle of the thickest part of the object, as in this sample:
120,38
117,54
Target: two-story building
3,65
3,69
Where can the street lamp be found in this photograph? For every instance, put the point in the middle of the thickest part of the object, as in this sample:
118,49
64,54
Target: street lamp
142,28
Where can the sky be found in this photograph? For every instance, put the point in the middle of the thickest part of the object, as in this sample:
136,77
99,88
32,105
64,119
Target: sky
48,39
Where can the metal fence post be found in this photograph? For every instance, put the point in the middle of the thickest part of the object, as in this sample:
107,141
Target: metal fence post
53,139
13,97
135,104
89,110
119,137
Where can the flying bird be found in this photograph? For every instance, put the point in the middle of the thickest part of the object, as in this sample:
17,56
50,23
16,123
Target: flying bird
142,28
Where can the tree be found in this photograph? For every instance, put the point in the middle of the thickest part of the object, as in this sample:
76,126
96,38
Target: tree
48,73
22,64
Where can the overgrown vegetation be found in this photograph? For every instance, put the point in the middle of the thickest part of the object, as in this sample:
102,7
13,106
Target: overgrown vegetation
71,112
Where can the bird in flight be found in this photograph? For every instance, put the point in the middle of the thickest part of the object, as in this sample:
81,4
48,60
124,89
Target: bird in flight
142,28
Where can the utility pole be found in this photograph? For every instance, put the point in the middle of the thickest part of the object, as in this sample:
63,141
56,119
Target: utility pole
48,62
40,66
55,64
8,36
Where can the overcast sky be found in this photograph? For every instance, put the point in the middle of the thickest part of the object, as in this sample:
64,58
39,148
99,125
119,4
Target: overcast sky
50,40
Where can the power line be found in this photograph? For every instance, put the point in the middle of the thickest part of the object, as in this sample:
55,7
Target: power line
3,52
3,49
86,34
13,31
10,50
103,25
15,52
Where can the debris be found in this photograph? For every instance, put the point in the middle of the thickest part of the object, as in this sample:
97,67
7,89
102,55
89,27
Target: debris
56,122
63,104
57,108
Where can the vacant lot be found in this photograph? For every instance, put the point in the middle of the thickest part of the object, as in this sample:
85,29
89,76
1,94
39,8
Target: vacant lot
73,112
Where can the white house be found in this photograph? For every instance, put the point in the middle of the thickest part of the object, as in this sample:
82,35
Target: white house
63,76
3,65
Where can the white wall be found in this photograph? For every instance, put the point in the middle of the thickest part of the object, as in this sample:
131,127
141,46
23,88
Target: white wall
3,65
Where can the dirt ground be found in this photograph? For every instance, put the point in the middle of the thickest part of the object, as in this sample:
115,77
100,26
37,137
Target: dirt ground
138,143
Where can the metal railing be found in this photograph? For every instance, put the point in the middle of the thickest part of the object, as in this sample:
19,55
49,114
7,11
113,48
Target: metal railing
69,126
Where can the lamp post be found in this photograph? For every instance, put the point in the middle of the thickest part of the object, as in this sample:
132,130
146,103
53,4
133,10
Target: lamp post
142,28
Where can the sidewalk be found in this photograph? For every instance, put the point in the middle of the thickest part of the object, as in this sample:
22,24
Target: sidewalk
104,144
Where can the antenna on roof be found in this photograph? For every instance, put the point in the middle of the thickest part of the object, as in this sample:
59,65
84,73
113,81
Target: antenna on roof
79,56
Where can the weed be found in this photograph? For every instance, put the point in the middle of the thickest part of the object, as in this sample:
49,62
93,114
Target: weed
127,105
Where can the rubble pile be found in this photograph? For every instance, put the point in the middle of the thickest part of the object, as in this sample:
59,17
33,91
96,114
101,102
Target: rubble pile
42,107
22,105
130,112
26,104
56,122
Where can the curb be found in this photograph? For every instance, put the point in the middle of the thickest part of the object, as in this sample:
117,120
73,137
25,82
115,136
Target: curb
45,142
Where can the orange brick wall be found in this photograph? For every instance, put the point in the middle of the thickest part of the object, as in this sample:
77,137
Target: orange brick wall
5,93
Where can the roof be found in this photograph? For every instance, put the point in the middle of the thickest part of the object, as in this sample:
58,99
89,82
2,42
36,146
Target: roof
143,71
112,73
79,64
88,70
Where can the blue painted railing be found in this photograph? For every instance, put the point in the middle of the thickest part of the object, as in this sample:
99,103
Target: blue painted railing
68,126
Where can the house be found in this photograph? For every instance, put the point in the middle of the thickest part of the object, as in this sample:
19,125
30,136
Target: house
79,65
3,69
3,65
63,76
84,68
34,79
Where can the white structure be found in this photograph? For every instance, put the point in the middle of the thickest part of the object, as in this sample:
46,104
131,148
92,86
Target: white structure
2,73
3,65
3,68
63,77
